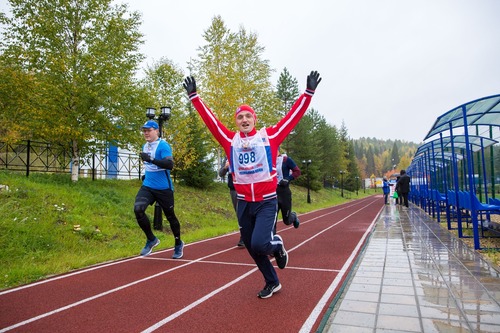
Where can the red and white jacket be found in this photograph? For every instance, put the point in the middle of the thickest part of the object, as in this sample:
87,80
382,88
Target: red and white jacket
252,157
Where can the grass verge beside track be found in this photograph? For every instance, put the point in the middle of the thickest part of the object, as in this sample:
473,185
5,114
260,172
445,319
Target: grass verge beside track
50,225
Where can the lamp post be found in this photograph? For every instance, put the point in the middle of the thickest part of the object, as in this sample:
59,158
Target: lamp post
306,163
357,184
165,112
342,183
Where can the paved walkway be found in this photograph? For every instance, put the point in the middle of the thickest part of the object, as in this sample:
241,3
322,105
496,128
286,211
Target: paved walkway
415,277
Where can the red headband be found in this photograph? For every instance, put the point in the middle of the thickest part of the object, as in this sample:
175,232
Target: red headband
245,107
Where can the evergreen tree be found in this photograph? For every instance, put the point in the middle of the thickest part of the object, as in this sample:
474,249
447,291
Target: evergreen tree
287,92
395,155
353,175
370,162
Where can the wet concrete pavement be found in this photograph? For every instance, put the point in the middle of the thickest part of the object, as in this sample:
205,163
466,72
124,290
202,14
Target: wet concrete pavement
415,277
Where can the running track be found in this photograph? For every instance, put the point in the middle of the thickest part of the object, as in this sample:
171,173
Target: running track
212,289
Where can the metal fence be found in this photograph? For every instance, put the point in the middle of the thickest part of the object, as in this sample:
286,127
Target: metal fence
33,156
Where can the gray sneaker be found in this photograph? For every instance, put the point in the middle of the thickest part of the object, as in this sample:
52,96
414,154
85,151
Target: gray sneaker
178,251
149,246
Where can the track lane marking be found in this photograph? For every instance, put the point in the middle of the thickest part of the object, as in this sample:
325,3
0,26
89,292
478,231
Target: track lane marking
194,304
85,300
191,306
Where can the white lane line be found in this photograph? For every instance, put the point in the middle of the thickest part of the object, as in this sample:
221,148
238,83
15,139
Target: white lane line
69,306
215,292
99,266
196,303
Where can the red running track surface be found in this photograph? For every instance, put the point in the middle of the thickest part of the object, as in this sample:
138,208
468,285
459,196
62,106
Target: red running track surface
212,289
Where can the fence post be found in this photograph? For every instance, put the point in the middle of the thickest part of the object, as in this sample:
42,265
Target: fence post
28,159
93,166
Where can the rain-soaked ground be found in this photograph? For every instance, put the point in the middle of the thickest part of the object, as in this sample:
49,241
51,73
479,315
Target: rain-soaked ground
415,276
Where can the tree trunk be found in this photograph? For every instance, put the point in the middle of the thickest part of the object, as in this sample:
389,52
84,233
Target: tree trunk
75,160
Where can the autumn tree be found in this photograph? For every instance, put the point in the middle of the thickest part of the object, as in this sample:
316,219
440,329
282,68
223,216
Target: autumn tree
230,71
80,58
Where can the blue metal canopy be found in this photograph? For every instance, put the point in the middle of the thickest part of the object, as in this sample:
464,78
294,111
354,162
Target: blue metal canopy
484,111
459,141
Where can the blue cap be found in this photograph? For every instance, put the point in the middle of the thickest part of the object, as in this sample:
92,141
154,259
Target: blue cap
150,124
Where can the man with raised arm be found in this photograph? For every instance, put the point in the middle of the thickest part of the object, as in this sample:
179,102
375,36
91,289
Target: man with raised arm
252,161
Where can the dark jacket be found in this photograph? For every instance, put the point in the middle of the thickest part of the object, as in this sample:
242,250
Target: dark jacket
403,184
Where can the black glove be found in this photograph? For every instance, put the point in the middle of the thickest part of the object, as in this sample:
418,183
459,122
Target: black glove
313,80
190,85
145,157
283,182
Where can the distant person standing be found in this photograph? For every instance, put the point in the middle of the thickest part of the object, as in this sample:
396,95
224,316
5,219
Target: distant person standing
386,189
157,187
223,171
286,171
403,186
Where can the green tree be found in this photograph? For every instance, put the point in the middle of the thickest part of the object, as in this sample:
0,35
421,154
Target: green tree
345,146
16,102
287,92
352,183
314,139
162,86
370,162
394,156
199,172
230,71
82,57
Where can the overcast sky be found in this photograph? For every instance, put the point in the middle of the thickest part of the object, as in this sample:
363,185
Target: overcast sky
389,67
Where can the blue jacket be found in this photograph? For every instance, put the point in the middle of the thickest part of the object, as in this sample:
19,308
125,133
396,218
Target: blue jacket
385,187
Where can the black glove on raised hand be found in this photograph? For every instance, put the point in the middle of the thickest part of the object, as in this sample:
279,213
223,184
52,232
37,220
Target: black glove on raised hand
145,157
313,80
283,182
190,85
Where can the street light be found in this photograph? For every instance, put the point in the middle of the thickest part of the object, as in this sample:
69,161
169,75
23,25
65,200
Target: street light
165,112
306,163
342,183
357,184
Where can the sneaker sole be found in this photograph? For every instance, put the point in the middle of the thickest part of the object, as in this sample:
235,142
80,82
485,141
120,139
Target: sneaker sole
278,288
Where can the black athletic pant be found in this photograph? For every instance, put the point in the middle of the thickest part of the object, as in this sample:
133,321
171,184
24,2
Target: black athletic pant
285,205
165,198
